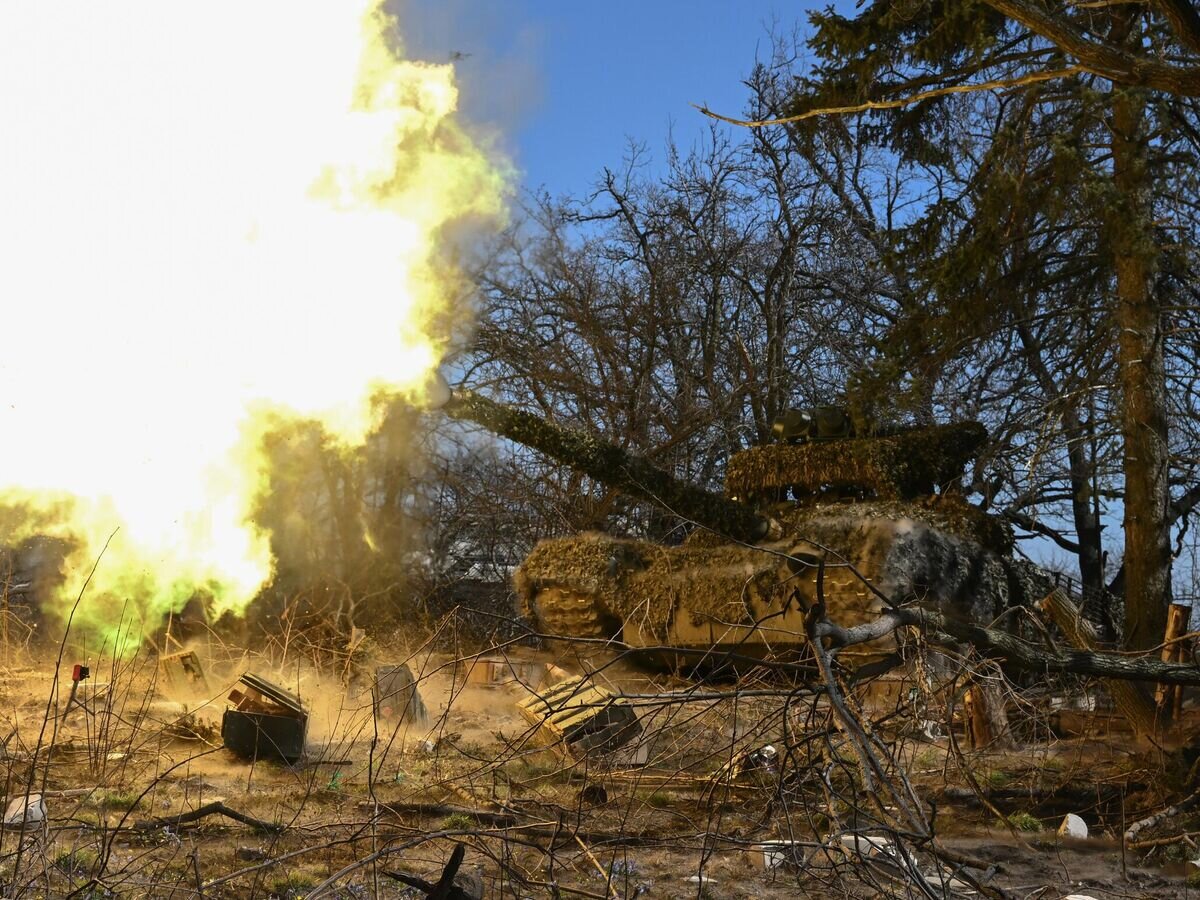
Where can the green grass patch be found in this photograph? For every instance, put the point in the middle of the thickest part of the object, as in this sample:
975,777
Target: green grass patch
927,759
660,800
79,861
1023,821
114,799
995,778
293,886
457,822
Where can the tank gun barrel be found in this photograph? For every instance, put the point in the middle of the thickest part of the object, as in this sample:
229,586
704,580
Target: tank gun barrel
607,463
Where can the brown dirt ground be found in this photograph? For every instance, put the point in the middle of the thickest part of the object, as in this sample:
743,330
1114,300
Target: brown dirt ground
111,774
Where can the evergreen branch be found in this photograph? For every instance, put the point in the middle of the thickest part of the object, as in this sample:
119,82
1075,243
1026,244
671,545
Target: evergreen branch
1184,21
1106,60
998,84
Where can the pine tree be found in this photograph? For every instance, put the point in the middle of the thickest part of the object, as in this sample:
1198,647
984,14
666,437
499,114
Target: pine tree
1043,207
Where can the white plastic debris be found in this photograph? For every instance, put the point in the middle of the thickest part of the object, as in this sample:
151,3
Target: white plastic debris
29,809
777,854
1079,897
700,879
946,882
932,730
1073,827
866,846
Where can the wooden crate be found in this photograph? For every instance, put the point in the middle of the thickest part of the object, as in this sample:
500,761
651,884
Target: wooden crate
498,671
582,717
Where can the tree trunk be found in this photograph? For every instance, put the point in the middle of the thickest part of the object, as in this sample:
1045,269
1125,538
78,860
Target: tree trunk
1080,458
1143,411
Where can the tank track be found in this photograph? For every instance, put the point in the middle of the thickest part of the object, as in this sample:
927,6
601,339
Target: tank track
578,615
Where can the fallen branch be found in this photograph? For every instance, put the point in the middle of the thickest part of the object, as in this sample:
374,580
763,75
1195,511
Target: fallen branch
1170,812
442,809
1129,698
208,809
445,889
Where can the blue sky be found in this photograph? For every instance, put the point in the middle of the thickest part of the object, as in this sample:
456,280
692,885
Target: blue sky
565,85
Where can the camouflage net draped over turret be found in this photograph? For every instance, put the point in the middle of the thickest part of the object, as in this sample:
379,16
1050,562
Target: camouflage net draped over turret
899,466
950,514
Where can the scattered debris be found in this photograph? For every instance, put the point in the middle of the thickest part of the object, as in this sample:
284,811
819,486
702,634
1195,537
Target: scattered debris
266,723
780,854
932,731
632,756
946,882
866,846
28,809
759,765
83,695
582,716
497,671
1073,827
395,696
182,669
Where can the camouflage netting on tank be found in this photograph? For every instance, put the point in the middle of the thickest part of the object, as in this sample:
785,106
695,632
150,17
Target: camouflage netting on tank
907,558
950,514
907,464
647,582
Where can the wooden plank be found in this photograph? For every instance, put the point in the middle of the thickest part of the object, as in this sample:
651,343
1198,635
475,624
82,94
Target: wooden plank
1169,697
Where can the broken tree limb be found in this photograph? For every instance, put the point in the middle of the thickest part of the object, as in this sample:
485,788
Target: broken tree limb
1169,698
1021,653
208,809
1134,702
1170,812
606,462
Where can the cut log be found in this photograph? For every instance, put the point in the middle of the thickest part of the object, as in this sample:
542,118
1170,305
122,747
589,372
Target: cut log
987,720
1169,697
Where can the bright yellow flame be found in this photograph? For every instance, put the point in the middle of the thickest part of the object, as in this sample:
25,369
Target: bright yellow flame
210,213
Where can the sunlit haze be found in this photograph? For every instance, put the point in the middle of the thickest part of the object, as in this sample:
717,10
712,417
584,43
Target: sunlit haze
209,213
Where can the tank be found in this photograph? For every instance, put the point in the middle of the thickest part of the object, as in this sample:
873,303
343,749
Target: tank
879,516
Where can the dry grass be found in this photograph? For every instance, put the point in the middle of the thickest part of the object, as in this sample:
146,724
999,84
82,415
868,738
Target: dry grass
370,798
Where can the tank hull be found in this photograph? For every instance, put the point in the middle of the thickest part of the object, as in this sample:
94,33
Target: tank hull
720,604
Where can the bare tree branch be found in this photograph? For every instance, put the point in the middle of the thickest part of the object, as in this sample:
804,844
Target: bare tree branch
998,84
